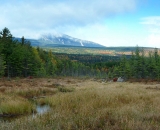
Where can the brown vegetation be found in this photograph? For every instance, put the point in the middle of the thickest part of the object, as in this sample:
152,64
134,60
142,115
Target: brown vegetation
92,105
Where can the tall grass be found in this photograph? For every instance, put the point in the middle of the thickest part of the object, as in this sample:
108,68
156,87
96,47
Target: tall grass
12,105
34,92
110,106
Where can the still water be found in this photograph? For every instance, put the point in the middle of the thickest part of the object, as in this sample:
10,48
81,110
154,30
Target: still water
40,110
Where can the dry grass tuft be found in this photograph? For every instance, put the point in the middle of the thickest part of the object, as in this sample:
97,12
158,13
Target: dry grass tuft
97,106
12,105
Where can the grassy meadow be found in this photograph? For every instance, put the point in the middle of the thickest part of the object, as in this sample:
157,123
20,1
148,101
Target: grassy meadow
80,104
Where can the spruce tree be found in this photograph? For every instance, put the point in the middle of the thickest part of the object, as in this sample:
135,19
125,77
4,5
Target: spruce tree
2,66
7,44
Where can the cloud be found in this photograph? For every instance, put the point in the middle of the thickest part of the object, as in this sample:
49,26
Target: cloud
153,21
152,24
107,35
154,40
40,15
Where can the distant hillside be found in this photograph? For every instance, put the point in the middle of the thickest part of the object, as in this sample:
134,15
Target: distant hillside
50,40
110,51
61,43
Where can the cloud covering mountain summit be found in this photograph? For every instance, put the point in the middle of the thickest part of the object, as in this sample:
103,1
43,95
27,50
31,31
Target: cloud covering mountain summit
51,40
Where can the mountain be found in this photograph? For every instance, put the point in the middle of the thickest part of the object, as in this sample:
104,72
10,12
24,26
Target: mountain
51,40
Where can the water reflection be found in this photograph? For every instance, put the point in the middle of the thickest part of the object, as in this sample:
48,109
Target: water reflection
40,110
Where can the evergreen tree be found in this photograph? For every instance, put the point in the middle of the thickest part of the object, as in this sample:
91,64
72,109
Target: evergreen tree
7,44
137,64
2,66
37,64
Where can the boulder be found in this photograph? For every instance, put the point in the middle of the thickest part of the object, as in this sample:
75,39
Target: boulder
120,79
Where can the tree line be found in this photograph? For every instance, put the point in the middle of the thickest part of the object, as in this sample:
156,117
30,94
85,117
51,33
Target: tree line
19,59
141,65
90,58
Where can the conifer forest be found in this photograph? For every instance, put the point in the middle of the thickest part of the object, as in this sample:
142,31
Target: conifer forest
19,59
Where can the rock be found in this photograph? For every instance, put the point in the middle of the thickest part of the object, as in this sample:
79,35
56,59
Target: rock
120,79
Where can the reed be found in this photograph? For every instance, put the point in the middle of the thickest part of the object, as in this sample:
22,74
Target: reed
97,106
34,92
11,105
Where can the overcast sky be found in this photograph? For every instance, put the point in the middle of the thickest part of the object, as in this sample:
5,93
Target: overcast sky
107,22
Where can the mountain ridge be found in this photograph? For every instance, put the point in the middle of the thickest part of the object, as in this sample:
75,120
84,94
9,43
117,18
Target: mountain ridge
46,40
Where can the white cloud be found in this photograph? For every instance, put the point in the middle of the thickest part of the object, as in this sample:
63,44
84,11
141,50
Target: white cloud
152,20
108,35
154,40
152,24
81,19
40,15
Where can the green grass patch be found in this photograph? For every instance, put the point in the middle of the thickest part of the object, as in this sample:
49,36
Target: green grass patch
64,89
13,105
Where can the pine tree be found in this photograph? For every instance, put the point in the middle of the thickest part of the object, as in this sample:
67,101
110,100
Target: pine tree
143,66
7,44
122,67
131,64
2,66
137,64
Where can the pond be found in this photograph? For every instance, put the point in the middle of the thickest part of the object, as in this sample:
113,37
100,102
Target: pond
40,110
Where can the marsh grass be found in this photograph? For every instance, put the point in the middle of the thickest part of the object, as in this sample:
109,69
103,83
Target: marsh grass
13,106
64,89
2,89
97,106
34,92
